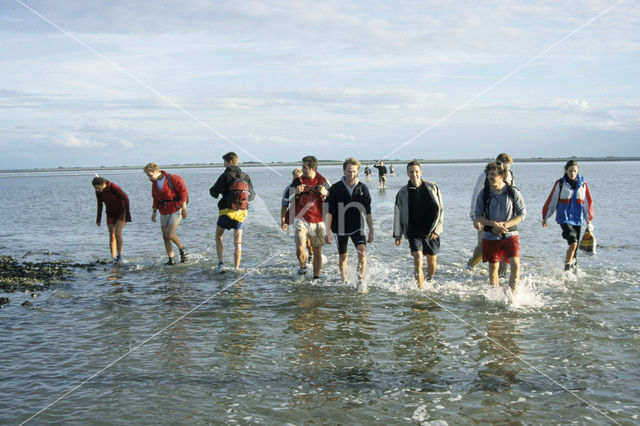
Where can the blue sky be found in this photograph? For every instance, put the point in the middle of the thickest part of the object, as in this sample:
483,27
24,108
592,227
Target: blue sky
186,81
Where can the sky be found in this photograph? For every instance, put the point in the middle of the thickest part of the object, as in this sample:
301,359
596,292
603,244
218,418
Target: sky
88,83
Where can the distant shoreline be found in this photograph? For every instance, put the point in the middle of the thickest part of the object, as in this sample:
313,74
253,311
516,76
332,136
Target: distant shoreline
322,162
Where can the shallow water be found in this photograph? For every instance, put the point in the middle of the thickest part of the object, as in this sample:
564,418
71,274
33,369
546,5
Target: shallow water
145,343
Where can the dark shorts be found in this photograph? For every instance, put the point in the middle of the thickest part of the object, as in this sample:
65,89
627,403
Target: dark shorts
343,241
111,220
425,245
571,233
494,250
225,222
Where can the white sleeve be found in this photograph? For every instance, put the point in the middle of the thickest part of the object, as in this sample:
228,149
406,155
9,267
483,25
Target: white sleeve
476,191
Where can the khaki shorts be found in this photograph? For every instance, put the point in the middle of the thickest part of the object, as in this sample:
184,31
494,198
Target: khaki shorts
315,231
167,219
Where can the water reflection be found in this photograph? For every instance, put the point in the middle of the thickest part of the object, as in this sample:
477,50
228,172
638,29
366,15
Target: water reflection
419,346
500,352
239,331
331,351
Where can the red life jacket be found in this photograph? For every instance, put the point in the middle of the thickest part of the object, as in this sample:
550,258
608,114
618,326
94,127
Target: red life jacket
309,203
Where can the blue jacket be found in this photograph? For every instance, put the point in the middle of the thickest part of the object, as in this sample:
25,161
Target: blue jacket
570,206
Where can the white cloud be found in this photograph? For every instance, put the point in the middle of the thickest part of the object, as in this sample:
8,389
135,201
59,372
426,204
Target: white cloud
72,141
342,136
573,105
125,143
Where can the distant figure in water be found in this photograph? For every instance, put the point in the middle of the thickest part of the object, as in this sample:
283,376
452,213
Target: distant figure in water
382,174
571,201
367,173
392,171
117,203
170,195
499,209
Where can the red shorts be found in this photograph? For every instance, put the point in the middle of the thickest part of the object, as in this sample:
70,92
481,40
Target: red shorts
494,250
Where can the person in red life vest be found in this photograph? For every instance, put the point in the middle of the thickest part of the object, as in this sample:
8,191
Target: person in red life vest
170,196
310,191
117,204
287,214
571,201
237,190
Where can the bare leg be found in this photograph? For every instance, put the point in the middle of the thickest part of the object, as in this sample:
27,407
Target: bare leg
317,261
362,261
112,240
571,252
301,249
493,273
342,265
432,262
417,267
169,236
119,226
219,245
237,240
514,278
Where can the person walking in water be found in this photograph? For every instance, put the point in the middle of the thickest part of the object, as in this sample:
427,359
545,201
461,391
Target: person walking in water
237,190
499,209
349,203
310,191
419,217
117,204
367,173
287,215
482,182
571,201
382,174
170,195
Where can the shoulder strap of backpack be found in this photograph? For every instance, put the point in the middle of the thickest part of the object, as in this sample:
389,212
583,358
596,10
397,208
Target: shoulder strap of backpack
170,182
510,193
176,196
485,198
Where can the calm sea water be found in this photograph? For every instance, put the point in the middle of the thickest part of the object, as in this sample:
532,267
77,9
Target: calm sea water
145,343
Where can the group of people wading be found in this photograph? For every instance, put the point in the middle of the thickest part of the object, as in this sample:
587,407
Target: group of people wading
318,211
